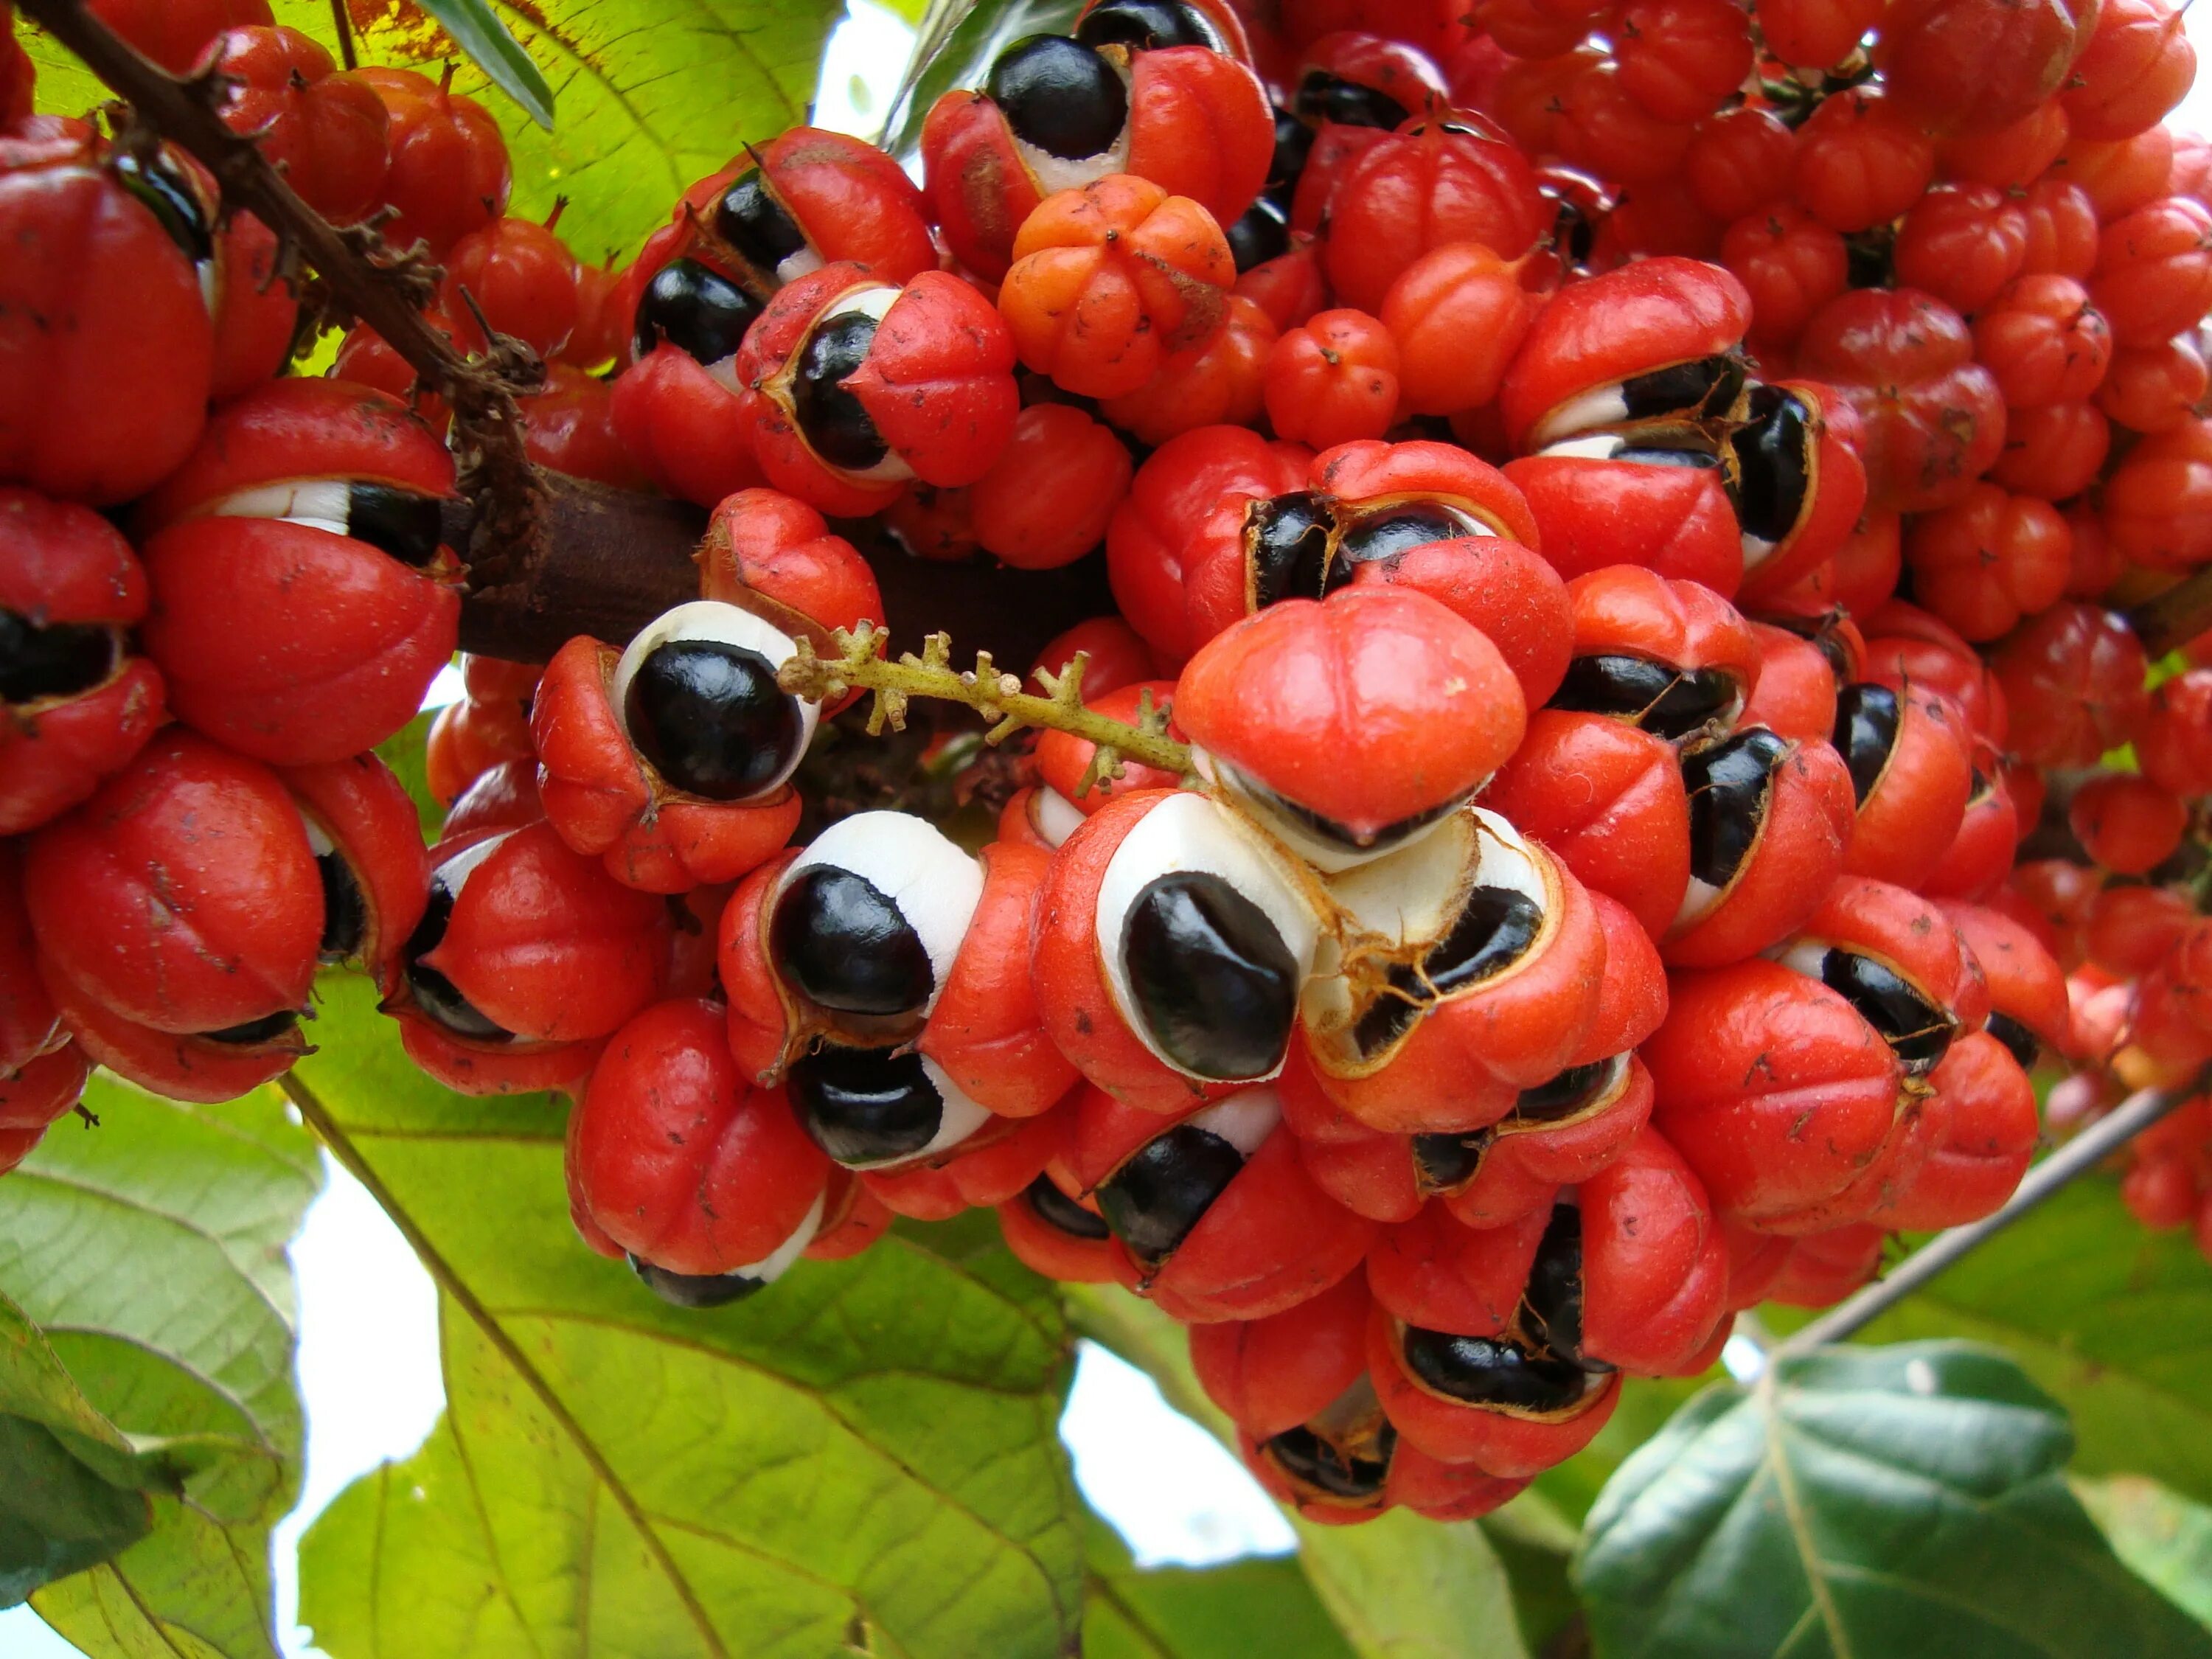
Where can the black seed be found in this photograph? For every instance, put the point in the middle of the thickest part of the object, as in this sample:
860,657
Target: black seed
1866,719
345,909
1444,1164
2023,1044
158,185
1059,95
434,994
1260,233
1918,1031
1152,1201
1551,1302
1215,985
1493,928
1670,702
1648,454
1702,386
252,1032
1773,466
1326,97
710,717
58,660
1144,24
1294,141
1289,536
1058,1211
696,1289
1729,784
407,527
1387,535
1979,787
699,312
1315,1461
753,221
1574,230
1325,828
1563,1096
1484,1371
836,425
866,1106
843,943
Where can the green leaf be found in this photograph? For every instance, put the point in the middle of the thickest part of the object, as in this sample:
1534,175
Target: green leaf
57,1516
1896,1502
1203,1612
866,1455
954,46
493,51
151,1252
2167,1539
1398,1587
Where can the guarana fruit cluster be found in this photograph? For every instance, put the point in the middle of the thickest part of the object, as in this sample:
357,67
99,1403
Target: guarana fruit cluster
1615,514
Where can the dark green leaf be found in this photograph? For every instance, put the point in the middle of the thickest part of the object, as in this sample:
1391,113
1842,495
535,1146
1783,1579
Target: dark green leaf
866,1455
1209,1612
1901,1502
56,1516
493,51
955,47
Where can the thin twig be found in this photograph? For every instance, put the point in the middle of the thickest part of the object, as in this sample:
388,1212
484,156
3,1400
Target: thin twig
342,21
2170,620
2075,1158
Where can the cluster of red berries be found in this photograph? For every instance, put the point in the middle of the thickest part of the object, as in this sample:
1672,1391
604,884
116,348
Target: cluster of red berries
1567,896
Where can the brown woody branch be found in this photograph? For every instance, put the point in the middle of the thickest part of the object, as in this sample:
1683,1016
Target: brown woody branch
2170,620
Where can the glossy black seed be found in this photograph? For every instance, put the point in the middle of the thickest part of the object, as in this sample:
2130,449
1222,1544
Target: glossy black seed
1574,230
842,942
1669,702
434,994
1485,1372
1444,1164
1648,452
58,660
1289,536
1216,986
1387,535
266,1029
1057,1210
399,522
753,221
696,1289
710,717
1979,787
1145,23
1773,466
1729,784
1496,925
1294,141
1325,829
1059,95
346,910
1317,1462
2022,1043
1704,385
1326,97
865,1106
1152,1201
836,425
154,180
1258,234
1866,719
1563,1096
699,312
1551,1302
1915,1029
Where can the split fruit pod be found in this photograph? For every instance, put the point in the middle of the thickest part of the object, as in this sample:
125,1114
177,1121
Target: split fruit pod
2028,1009
42,1071
1348,1464
303,599
1990,1130
672,759
1909,757
1793,476
679,409
811,197
1062,1237
1216,1216
1674,658
1170,942
996,1164
1421,710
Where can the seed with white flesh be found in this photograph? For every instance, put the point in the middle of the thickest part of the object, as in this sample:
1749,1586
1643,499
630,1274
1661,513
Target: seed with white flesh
750,220
1165,1188
1701,388
697,695
1914,1027
699,312
873,1107
868,919
719,1289
1067,108
1731,785
834,423
434,994
403,523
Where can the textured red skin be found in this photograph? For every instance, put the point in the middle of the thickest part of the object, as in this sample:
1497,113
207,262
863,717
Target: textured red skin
1907,822
938,381
692,434
1359,53
1772,1087
1367,707
1336,147
1986,1146
1427,1485
781,453
1823,1268
1061,1255
1502,1444
1371,1175
1756,1260
2075,676
1980,855
107,339
569,427
605,800
504,798
1115,654
1272,1374
1641,317
773,554
1369,470
1910,934
1795,695
1673,521
1016,828
2153,273
1655,1269
1606,798
2173,741
291,644
849,199
548,946
1062,758
1442,1275
256,315
179,1067
991,1167
521,276
1624,610
173,32
681,1163
1908,648
369,815
471,1067
985,1030
42,1089
976,187
28,1024
182,895
450,174
1800,850
2158,505
328,132
1836,498
762,1025
853,1219
1430,183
